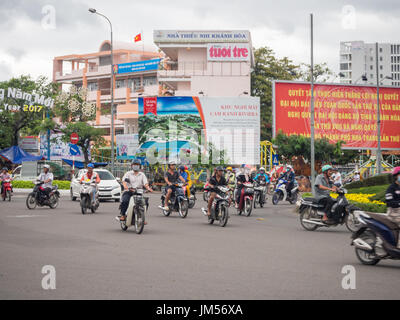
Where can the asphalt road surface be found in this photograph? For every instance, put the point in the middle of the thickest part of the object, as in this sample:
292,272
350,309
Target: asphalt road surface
265,256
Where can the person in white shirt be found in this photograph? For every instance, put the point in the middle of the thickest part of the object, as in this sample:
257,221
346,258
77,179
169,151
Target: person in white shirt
132,180
47,178
356,176
337,178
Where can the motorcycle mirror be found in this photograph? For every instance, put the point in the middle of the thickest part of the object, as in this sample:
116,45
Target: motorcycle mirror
126,180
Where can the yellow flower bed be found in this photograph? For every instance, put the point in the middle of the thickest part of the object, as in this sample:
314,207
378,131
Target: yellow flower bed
359,197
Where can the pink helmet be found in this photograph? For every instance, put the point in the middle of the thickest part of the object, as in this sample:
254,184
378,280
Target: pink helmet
396,171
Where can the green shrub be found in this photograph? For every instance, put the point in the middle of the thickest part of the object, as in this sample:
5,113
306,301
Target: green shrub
380,196
369,190
382,179
370,207
20,184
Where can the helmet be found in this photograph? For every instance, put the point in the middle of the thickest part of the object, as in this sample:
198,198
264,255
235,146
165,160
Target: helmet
46,166
289,167
326,168
90,165
4,168
186,168
396,171
135,161
219,168
229,169
262,169
182,168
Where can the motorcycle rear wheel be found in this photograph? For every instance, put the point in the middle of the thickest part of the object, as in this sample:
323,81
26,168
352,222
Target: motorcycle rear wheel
165,212
308,213
364,256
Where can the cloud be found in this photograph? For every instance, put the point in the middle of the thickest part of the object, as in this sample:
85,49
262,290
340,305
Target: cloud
282,25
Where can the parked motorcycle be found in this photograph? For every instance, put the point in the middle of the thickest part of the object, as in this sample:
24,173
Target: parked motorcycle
376,239
85,195
38,198
220,206
260,193
177,202
7,190
136,212
280,193
246,199
311,213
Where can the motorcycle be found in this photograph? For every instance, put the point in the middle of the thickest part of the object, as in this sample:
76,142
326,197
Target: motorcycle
192,198
260,193
38,198
177,202
376,239
311,213
220,205
7,190
136,212
280,193
246,199
85,195
206,192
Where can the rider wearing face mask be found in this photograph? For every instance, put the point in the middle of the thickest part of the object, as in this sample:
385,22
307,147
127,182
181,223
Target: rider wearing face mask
132,180
393,197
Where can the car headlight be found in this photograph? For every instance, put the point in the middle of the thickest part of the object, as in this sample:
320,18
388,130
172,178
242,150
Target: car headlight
115,187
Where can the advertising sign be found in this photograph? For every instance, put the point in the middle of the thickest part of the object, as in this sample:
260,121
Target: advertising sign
185,125
342,112
58,149
29,144
200,36
127,144
137,66
228,52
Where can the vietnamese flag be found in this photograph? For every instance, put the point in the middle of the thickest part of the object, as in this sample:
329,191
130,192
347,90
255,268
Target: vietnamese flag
138,37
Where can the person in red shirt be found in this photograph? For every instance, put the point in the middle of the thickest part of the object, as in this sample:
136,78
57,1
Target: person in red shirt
93,177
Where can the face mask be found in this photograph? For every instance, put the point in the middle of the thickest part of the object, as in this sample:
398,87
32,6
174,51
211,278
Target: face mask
135,168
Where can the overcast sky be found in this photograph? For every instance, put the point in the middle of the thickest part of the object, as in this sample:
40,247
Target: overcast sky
29,42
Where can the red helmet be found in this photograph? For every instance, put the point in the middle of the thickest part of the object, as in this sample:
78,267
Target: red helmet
396,171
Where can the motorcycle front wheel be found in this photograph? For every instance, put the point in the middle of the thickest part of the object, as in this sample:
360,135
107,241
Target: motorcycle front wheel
83,205
31,201
275,198
248,206
53,201
351,222
224,216
139,219
9,195
183,208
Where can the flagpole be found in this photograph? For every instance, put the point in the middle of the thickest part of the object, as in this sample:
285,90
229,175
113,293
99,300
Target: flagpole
141,32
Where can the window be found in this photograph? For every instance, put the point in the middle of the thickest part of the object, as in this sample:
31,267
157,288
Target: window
380,49
371,67
92,86
372,75
381,75
344,66
134,84
380,59
371,59
149,81
120,84
381,67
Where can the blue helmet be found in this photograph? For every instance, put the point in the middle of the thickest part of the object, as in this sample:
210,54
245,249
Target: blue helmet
90,165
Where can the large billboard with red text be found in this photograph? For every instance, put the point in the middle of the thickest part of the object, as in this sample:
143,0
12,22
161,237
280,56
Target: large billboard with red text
342,112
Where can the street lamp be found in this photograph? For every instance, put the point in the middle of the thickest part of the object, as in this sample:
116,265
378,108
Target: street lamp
363,78
378,151
92,10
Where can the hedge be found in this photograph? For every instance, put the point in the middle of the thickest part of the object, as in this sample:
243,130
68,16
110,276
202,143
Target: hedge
20,184
382,179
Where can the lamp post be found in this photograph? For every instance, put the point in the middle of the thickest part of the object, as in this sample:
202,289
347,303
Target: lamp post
312,120
378,151
92,10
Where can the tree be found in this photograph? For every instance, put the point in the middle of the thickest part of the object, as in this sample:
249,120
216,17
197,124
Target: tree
321,72
12,124
266,69
88,135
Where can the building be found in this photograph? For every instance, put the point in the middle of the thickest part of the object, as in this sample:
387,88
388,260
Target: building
358,63
210,63
92,70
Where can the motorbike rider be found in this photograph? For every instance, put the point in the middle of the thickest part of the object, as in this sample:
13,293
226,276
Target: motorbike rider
93,177
171,177
185,174
289,176
392,197
230,177
242,177
337,178
47,178
217,179
323,187
262,175
132,180
4,175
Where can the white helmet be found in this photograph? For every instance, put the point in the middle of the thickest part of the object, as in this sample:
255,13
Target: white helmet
46,166
289,167
262,169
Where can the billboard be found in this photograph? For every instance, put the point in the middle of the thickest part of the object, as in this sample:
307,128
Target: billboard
228,52
29,144
137,66
189,125
342,112
201,36
127,145
60,150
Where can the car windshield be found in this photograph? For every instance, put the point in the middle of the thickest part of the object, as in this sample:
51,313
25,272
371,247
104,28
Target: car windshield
105,175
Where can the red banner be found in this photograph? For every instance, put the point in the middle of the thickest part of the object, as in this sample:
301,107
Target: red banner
150,105
342,112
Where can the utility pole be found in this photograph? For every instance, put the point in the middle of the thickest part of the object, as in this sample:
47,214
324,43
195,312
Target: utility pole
378,151
312,122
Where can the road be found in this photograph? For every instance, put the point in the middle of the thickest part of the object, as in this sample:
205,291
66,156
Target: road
265,256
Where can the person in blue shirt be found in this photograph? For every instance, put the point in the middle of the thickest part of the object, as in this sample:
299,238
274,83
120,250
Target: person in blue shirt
262,175
289,176
183,173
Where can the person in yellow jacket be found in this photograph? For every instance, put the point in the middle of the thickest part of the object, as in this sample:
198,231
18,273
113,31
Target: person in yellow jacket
185,174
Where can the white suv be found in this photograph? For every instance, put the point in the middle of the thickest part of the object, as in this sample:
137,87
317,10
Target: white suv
109,187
